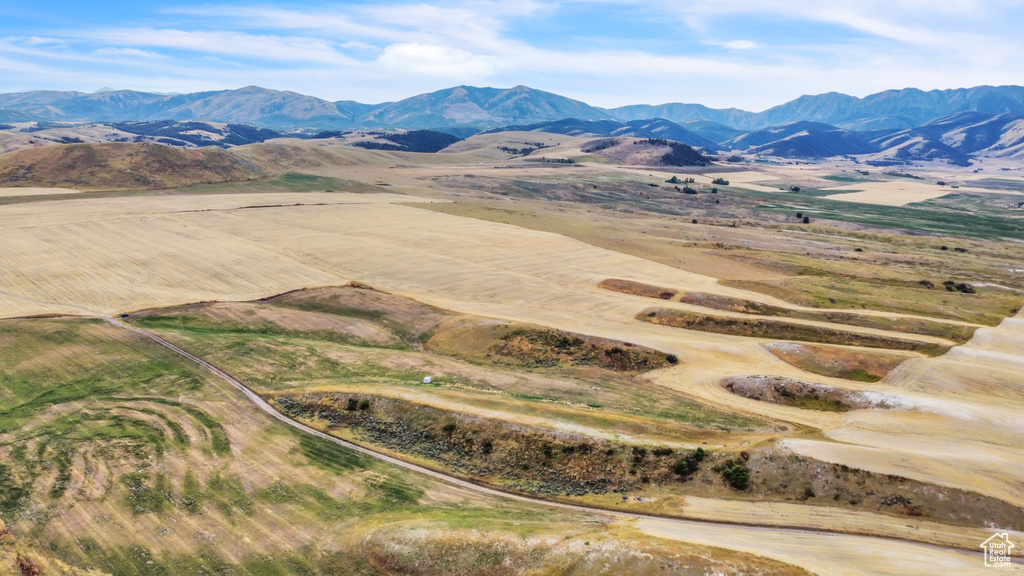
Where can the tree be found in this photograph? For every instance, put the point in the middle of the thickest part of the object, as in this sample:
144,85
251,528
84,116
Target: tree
807,219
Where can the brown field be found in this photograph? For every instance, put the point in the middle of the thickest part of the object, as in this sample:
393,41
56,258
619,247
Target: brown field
838,362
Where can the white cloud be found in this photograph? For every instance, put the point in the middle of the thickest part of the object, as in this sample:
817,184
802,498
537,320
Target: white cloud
231,43
376,52
434,60
135,52
735,44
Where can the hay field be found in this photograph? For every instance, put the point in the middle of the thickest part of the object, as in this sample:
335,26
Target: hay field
896,192
161,254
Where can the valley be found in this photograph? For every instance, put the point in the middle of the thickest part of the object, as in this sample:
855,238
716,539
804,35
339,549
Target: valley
840,384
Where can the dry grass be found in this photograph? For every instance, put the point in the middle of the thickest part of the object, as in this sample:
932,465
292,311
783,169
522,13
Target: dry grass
121,166
838,362
896,323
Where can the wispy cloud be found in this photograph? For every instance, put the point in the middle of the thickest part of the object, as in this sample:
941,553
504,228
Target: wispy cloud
135,52
751,53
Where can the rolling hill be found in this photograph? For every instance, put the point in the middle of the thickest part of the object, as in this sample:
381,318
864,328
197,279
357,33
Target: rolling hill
802,140
122,167
661,129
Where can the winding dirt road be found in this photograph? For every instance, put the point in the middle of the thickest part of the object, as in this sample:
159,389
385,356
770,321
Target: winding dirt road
819,551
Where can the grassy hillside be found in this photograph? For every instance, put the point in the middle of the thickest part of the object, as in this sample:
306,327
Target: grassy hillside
122,167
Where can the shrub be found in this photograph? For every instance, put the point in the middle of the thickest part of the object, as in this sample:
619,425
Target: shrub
737,476
449,428
799,214
353,404
662,451
807,219
672,359
720,181
688,190
927,284
364,405
685,466
794,188
954,286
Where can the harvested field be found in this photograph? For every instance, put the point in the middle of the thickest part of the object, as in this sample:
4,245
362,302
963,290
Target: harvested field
899,192
896,323
770,329
835,362
4,192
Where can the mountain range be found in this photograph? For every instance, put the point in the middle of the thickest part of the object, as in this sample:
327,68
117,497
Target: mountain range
892,126
465,108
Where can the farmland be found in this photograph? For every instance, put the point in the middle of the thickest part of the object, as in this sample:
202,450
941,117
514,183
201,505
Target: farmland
335,284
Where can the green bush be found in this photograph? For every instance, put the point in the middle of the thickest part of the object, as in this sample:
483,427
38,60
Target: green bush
737,475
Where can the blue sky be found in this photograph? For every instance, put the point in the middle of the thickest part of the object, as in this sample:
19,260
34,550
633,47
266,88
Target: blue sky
750,54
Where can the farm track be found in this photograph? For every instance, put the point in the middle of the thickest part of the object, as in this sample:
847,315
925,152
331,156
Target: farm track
666,526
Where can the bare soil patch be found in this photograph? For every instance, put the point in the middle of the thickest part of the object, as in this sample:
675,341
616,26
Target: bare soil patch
836,362
808,395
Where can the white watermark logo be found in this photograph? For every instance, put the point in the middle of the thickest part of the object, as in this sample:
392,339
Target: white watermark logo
998,549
